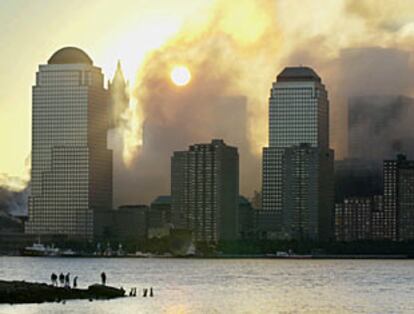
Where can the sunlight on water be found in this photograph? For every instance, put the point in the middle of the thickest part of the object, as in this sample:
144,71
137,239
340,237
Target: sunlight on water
227,286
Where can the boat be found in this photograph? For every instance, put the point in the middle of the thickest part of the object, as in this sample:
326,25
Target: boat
39,249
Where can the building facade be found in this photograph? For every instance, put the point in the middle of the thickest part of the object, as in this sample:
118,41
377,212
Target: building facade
399,198
353,219
71,173
205,191
298,154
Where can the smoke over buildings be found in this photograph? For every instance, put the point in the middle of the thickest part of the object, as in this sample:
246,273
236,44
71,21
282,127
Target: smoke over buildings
380,127
233,53
13,196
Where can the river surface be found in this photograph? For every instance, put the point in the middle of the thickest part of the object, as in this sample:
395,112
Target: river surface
226,285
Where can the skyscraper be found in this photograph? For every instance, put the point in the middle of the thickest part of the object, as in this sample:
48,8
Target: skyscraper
399,199
298,164
71,165
205,191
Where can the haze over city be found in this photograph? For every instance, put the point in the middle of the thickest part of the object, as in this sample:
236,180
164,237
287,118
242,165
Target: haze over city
357,47
251,156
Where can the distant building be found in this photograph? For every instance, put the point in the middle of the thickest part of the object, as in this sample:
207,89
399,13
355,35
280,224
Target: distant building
307,191
353,219
205,191
160,212
128,222
399,198
390,217
360,218
298,143
71,173
246,218
118,90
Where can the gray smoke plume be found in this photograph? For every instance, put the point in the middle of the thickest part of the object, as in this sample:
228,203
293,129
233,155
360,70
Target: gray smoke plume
362,72
14,201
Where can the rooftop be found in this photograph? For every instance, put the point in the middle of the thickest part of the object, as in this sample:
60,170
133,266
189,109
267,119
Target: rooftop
70,55
298,74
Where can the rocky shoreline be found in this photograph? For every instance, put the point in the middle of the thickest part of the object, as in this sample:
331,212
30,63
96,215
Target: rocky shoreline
16,292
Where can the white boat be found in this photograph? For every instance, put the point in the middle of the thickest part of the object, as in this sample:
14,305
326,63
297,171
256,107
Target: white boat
39,249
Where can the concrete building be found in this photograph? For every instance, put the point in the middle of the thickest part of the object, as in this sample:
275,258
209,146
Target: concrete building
71,173
307,192
298,115
353,219
205,191
399,198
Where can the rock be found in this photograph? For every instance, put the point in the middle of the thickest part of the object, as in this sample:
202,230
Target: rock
25,292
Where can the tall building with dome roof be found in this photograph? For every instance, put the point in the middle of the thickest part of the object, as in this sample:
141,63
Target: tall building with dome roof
71,166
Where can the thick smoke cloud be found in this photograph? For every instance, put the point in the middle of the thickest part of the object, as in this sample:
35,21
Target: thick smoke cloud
221,100
13,196
235,52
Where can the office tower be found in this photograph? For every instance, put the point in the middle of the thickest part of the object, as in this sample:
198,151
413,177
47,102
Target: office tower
205,191
298,156
379,127
399,198
71,165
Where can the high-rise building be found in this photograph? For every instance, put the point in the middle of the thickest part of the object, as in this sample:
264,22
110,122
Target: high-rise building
205,191
399,198
71,174
298,164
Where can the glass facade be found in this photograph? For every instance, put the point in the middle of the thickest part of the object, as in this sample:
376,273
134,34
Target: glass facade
71,165
298,164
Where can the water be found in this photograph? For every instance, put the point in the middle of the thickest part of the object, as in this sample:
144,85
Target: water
227,285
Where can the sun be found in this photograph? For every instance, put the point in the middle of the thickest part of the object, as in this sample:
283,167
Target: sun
180,75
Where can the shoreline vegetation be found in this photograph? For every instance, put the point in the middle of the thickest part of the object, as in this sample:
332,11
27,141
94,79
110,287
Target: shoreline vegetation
19,292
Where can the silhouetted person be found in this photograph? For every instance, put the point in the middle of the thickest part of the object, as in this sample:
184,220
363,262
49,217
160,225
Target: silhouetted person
75,281
103,278
54,278
151,293
145,292
62,279
67,280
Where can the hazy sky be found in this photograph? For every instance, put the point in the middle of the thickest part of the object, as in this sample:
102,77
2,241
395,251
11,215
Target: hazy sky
31,31
348,42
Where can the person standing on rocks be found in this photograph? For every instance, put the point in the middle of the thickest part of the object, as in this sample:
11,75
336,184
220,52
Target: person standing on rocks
75,282
67,280
62,279
53,278
103,278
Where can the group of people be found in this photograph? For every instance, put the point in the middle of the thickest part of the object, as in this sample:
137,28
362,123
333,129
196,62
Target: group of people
64,280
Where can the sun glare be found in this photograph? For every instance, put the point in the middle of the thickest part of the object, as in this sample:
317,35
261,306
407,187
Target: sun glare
180,75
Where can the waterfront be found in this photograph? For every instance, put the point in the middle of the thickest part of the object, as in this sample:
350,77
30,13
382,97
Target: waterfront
227,285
